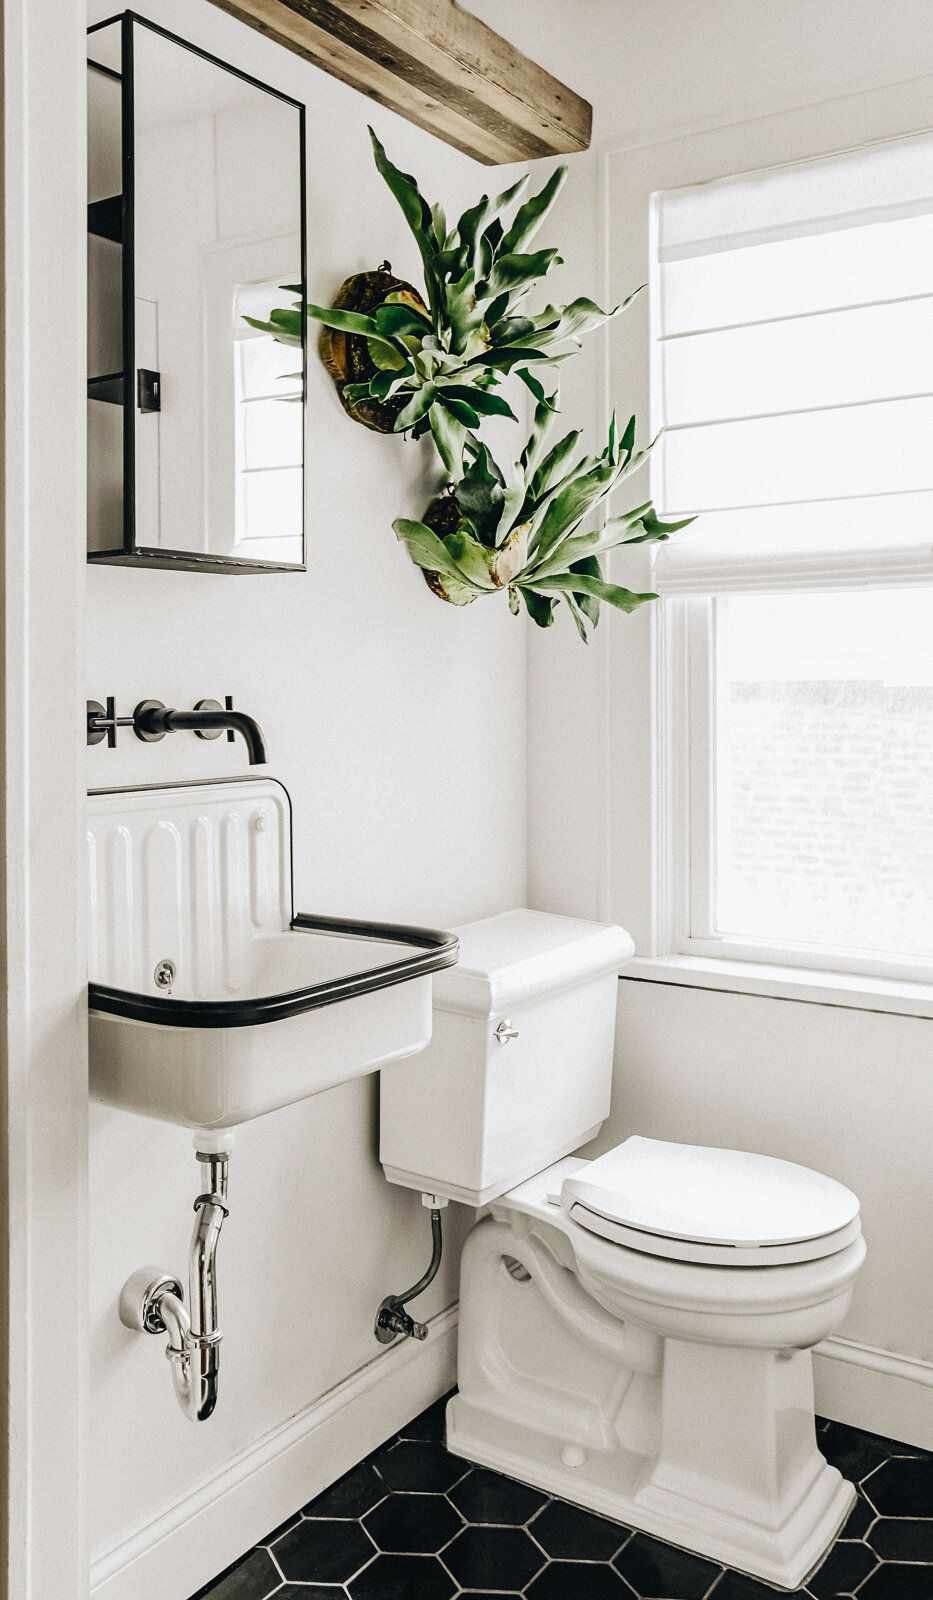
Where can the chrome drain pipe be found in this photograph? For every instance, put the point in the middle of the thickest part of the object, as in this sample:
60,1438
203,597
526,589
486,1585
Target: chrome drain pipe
153,1301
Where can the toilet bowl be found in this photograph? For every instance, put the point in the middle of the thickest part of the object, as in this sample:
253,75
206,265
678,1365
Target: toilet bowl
673,1395
635,1331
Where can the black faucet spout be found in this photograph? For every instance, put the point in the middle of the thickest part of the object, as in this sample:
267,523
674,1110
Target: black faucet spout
152,720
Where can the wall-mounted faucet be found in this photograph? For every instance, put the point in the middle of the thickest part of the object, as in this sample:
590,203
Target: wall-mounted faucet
152,720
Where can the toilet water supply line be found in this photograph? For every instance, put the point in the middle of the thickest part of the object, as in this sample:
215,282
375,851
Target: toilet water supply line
392,1319
153,1301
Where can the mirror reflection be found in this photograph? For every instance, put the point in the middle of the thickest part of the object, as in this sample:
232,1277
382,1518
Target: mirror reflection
196,427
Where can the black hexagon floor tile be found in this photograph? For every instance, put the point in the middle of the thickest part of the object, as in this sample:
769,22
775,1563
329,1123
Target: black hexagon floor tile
846,1566
323,1551
351,1496
578,1580
403,1578
859,1520
310,1591
567,1532
283,1527
412,1522
893,1582
737,1586
855,1453
656,1570
903,1539
253,1578
413,1464
493,1558
430,1425
484,1496
902,1488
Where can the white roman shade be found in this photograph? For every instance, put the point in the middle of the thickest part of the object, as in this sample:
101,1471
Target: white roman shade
793,372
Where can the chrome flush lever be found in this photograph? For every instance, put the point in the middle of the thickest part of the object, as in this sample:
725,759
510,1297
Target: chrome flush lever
506,1031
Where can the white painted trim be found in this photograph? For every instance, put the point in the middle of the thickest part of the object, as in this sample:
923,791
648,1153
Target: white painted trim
201,1534
785,983
600,643
44,1092
875,1389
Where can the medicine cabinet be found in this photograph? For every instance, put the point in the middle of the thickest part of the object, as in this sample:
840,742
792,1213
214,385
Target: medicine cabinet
196,222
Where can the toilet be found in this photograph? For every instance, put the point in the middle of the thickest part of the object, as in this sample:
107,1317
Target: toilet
635,1330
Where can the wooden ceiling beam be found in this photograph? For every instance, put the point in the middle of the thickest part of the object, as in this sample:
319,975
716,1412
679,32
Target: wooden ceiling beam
436,65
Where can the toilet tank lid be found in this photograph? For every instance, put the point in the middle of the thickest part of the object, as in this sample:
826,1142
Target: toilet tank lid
520,954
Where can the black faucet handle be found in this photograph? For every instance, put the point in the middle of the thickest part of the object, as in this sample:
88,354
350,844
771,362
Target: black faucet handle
103,722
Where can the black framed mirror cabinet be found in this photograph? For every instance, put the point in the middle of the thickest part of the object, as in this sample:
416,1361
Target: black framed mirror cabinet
196,222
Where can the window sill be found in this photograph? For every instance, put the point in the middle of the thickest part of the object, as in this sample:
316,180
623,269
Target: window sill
785,983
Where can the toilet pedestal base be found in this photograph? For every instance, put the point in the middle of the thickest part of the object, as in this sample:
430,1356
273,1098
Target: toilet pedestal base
708,1446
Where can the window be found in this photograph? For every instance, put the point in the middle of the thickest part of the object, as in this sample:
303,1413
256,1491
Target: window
268,433
792,364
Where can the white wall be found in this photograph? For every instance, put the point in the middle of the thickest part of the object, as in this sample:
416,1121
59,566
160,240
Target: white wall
567,736
654,69
398,726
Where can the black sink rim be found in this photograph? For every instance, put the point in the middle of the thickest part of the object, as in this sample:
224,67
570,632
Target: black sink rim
435,949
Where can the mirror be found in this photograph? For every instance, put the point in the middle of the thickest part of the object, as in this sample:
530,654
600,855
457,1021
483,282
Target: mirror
196,420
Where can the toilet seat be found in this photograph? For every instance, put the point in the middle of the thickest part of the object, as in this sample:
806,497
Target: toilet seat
695,1203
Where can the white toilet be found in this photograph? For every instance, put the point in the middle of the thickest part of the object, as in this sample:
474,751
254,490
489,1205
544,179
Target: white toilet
635,1331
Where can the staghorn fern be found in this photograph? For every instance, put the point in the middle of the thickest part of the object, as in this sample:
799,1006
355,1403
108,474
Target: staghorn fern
445,362
521,532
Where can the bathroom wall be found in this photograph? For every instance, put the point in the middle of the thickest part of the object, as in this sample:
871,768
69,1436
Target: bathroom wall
398,726
848,1091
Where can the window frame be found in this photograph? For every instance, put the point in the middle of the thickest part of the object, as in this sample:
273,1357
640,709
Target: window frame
634,799
241,403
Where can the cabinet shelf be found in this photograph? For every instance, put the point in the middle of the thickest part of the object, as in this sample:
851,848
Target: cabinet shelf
105,218
110,387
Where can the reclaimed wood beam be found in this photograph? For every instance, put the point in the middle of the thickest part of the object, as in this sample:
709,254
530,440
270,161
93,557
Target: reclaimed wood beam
436,65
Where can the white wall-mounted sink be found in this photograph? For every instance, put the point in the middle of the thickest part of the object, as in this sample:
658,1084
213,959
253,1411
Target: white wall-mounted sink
211,1001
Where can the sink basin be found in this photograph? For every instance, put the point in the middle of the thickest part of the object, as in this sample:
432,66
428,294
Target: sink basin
212,1001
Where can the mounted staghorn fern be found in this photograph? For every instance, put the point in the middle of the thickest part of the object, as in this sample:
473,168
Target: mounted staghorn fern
520,533
406,363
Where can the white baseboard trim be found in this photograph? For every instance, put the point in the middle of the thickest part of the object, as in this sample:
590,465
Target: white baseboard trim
197,1537
875,1389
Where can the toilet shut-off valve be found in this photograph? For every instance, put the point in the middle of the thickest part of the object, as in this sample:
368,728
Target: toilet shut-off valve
153,1300
392,1320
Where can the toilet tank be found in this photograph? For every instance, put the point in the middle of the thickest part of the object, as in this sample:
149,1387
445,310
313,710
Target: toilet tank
519,1068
